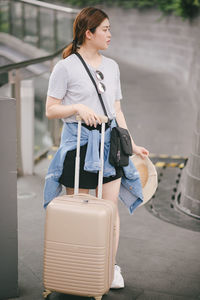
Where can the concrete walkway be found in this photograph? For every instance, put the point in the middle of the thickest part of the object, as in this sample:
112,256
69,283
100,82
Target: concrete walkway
159,261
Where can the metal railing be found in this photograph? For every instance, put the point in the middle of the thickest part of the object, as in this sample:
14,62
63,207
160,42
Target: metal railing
14,79
42,24
26,63
15,20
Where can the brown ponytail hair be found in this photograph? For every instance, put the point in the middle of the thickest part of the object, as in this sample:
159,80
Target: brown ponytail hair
88,18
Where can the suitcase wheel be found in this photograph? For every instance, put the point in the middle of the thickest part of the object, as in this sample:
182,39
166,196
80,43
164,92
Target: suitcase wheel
46,293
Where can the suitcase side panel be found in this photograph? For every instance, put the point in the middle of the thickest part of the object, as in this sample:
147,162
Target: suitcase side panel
79,259
78,223
75,269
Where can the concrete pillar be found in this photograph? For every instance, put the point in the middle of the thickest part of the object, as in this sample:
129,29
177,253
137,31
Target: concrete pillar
8,200
188,199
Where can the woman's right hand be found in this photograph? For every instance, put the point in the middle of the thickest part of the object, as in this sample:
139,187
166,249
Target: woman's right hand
87,115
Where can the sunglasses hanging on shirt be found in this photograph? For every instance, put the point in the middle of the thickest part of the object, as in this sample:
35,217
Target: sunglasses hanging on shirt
100,77
101,86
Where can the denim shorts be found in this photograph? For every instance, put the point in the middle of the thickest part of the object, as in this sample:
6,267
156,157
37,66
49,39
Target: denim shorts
87,180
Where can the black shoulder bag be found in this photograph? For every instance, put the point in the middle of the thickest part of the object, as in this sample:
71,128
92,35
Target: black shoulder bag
120,141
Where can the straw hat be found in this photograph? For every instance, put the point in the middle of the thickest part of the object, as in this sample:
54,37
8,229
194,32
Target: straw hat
148,176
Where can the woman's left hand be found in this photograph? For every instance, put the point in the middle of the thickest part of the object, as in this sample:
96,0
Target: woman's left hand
140,151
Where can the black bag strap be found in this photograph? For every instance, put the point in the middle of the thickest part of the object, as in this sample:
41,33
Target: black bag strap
91,77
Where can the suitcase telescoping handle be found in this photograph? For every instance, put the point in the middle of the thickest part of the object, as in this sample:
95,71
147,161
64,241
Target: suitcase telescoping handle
104,120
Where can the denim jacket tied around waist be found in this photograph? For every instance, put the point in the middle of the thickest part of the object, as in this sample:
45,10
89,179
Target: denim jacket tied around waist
130,190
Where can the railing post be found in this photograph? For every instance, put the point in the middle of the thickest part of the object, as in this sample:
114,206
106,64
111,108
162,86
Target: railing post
72,23
10,18
55,30
27,126
38,28
0,17
56,132
23,21
14,80
55,123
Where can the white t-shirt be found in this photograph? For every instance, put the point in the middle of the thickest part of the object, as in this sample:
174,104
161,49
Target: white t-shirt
70,82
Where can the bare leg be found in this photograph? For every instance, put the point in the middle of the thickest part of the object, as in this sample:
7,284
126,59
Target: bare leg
111,192
70,191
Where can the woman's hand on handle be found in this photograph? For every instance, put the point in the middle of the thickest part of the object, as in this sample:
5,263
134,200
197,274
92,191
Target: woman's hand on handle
87,115
56,110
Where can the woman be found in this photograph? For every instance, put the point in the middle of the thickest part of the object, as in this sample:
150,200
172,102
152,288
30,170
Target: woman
71,92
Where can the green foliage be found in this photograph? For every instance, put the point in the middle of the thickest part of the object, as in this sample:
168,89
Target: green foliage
166,6
187,9
137,3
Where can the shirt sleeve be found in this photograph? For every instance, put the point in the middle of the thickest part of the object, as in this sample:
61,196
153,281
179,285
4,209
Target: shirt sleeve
57,87
118,93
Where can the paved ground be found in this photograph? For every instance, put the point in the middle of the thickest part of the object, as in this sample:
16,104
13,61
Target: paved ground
159,260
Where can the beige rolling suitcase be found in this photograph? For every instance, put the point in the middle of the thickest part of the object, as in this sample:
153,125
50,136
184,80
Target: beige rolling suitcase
80,240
